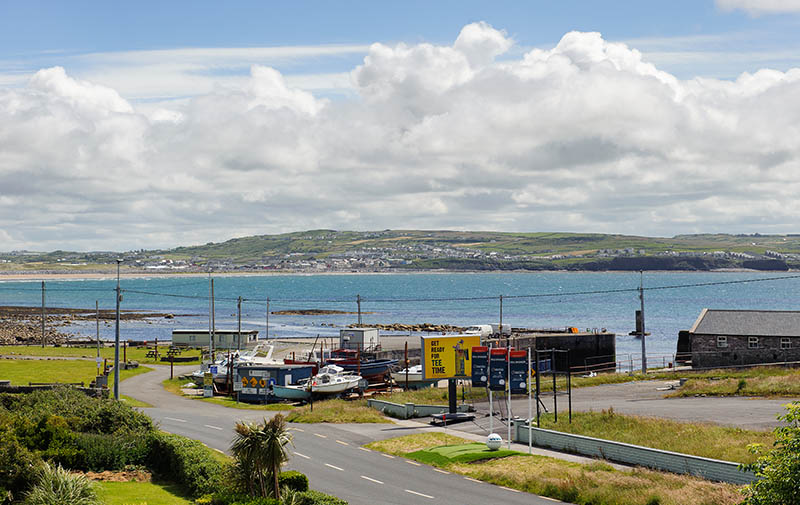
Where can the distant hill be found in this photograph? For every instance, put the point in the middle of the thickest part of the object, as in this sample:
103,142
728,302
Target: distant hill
389,250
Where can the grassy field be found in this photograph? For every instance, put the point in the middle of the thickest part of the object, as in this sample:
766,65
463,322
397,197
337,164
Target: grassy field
596,483
140,493
21,372
762,382
706,440
132,353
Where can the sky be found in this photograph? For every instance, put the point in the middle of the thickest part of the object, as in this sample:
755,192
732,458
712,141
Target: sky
157,124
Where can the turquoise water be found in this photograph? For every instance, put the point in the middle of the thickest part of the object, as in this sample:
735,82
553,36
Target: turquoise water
418,298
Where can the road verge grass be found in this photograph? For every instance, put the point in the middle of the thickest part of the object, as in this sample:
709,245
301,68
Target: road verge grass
699,439
567,481
777,385
336,411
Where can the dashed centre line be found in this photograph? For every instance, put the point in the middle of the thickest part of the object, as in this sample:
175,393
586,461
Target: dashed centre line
302,455
176,419
387,456
213,427
371,479
340,442
412,462
364,449
474,480
441,471
419,494
509,489
334,467
320,436
299,429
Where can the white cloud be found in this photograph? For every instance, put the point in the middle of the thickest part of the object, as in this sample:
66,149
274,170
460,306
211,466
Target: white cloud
586,136
761,6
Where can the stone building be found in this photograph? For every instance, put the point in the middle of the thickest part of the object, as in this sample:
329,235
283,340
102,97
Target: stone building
722,338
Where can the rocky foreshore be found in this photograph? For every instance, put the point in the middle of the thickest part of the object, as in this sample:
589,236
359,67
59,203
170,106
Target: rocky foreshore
23,325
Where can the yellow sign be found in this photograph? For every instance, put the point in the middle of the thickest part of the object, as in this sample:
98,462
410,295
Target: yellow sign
448,357
253,381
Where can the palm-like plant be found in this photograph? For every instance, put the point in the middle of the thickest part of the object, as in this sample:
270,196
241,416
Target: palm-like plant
260,450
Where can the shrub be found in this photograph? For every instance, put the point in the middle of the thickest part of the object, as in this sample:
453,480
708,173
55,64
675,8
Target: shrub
99,452
17,464
293,480
223,498
81,412
56,485
312,497
778,472
186,462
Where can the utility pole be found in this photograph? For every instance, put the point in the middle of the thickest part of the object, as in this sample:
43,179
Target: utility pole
210,326
500,330
116,339
358,301
239,331
641,300
43,315
97,321
267,333
213,321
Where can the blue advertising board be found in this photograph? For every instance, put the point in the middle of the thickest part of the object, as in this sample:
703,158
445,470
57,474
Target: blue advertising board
498,369
480,366
518,363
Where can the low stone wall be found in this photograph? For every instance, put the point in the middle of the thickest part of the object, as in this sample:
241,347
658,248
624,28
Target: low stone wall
410,410
707,468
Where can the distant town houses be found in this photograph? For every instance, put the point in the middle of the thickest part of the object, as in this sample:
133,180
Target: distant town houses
322,251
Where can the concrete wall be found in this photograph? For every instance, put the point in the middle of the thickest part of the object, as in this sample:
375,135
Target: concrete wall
409,410
711,469
706,354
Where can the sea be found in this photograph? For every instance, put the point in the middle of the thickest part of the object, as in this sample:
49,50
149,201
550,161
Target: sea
541,300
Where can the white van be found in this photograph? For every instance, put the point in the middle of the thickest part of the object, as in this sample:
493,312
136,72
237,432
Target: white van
484,330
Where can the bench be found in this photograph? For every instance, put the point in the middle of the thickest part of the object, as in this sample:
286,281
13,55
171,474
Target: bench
152,354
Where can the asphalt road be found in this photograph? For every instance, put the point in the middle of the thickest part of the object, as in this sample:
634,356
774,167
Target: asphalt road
331,455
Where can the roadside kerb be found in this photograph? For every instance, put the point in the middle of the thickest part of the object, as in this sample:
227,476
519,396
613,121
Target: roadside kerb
707,468
410,410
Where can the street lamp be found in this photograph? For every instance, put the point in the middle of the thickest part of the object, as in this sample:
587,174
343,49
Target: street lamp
116,339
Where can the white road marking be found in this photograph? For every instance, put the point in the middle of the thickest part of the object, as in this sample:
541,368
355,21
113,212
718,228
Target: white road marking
371,480
302,455
364,449
387,456
551,499
340,442
419,494
334,467
212,427
441,471
412,463
298,429
320,436
509,489
474,480
176,419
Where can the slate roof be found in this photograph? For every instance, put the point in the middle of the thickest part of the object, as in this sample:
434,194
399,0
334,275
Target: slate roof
754,323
